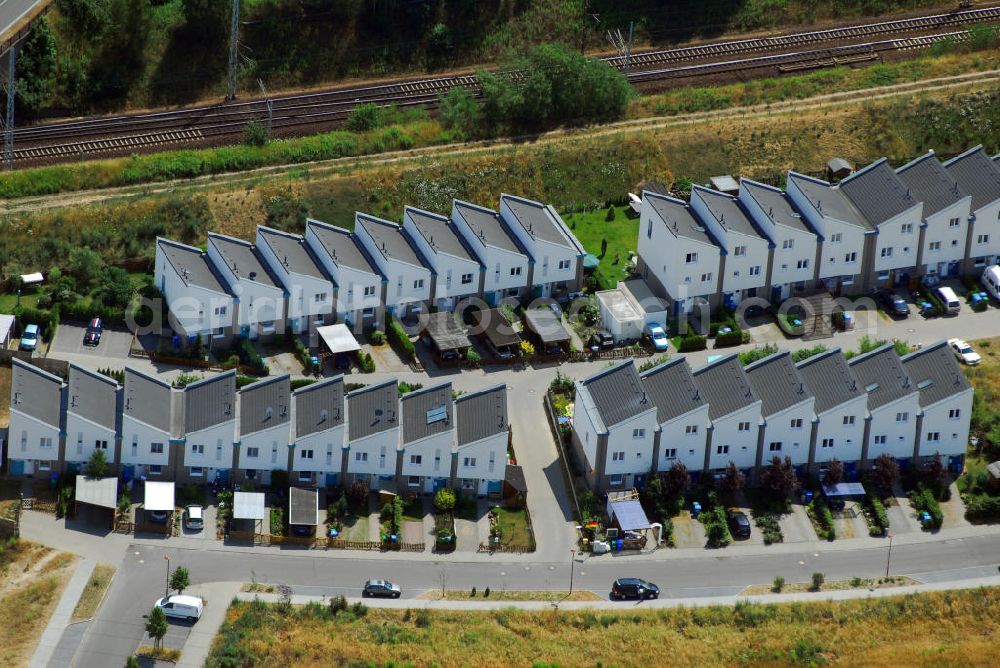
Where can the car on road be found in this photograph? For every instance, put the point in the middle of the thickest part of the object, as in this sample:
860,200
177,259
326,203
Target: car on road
739,524
657,336
601,340
159,516
194,518
964,352
382,588
29,338
893,303
95,328
623,588
182,607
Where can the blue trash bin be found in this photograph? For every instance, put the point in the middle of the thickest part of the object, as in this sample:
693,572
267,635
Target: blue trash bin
695,509
620,545
807,496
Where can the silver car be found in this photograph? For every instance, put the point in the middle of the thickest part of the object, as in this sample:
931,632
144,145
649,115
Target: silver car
194,518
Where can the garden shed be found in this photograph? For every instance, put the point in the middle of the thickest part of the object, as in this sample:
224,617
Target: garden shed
6,329
628,308
446,334
547,327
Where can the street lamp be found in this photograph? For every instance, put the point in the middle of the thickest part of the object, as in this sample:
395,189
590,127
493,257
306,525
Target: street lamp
888,556
572,564
166,585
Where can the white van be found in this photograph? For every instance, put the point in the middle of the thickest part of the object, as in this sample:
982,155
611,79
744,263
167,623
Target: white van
950,300
182,607
991,281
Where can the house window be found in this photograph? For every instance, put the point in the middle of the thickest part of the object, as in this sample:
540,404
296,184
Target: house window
836,238
306,454
722,450
705,278
670,453
691,430
796,423
902,417
515,271
787,244
755,270
361,456
802,264
848,419
649,229
880,439
197,449
416,460
954,222
954,242
691,258
154,469
638,433
197,471
46,442
618,456
369,291
437,460
253,452
933,436
156,448
616,480
935,246
381,458
775,446
563,265
980,262
493,461
907,228
305,476
744,426
827,443
44,465
740,251
954,414
887,252
469,462
319,297
101,445
851,257
983,239
413,481
466,279
418,284
220,310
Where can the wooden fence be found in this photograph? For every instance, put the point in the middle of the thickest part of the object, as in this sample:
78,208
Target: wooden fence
8,528
509,549
323,542
563,456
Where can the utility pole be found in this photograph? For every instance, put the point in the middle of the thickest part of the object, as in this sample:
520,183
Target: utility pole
234,43
628,49
8,128
270,110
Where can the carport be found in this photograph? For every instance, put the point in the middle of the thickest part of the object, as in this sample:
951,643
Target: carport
303,507
844,490
625,513
249,511
101,493
446,334
492,326
547,327
6,329
157,496
337,342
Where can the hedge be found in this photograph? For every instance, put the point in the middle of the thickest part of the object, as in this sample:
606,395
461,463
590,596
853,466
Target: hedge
923,500
692,343
398,337
301,382
983,509
83,312
733,338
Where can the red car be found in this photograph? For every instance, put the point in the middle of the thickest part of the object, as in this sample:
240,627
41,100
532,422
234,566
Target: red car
94,331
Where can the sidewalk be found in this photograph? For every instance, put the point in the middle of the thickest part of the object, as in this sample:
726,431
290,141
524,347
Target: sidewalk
60,618
217,595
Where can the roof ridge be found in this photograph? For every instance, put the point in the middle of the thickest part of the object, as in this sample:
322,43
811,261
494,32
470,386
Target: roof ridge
27,366
916,161
819,356
377,386
499,387
96,375
426,390
660,368
964,154
773,357
931,347
211,379
719,362
265,381
864,170
871,353
606,371
319,384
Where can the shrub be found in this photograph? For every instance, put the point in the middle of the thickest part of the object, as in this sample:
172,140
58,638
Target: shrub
377,338
748,357
365,117
733,338
692,343
779,584
398,337
473,357
611,214
366,362
984,509
255,133
444,499
923,500
590,313
817,581
527,348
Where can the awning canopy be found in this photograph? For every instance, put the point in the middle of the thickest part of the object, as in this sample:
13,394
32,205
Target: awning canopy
445,331
101,492
494,326
6,325
303,506
514,476
32,279
338,338
248,506
547,325
159,496
844,489
629,515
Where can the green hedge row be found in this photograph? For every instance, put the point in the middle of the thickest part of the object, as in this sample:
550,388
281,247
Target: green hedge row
692,342
923,500
397,337
983,509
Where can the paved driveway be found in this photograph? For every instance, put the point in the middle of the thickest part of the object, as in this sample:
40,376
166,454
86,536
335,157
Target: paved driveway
68,342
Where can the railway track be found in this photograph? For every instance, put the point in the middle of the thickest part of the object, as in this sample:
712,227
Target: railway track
293,114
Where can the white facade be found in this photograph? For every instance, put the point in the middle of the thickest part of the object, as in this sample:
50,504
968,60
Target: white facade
840,431
945,235
83,437
630,446
945,427
32,441
484,460
266,450
196,310
747,255
734,438
310,299
794,249
553,263
683,439
406,281
896,245
320,452
788,433
457,276
425,459
211,449
374,454
357,289
260,306
144,446
506,268
893,427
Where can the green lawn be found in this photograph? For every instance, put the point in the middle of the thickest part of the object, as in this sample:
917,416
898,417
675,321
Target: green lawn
8,302
591,228
514,526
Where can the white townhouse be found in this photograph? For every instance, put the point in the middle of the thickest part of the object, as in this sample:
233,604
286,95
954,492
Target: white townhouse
735,414
794,243
681,414
678,256
199,300
360,286
319,421
893,405
36,426
482,436
428,439
409,281
614,427
946,211
556,254
458,272
152,421
895,213
979,176
746,253
265,428
945,404
258,297
788,408
844,236
373,434
505,259
209,429
92,411
841,410
309,293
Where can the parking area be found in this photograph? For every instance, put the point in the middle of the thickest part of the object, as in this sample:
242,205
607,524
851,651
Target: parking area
115,343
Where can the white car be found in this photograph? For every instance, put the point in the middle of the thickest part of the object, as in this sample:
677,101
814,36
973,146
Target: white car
182,607
659,337
964,352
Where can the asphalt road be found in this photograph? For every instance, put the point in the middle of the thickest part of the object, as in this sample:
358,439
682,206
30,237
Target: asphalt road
11,12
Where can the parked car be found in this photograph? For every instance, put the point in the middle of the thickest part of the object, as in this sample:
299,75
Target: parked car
95,329
623,588
893,303
657,336
964,352
949,299
739,524
553,349
159,516
29,338
450,356
601,340
194,518
304,530
382,588
182,607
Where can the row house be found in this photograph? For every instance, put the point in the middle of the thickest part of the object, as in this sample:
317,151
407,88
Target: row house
681,414
264,421
92,417
310,294
504,258
788,408
482,440
978,176
258,298
428,437
458,272
319,424
361,290
37,421
200,305
409,282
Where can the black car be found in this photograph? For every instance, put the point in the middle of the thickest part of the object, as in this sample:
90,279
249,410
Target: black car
382,588
893,303
553,349
94,330
601,341
304,530
623,588
159,516
450,356
739,524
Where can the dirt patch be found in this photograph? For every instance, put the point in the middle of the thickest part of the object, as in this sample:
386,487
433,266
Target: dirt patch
854,583
237,212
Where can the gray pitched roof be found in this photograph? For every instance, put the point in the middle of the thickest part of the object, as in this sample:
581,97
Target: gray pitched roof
878,193
727,211
617,393
445,331
931,182
242,259
372,409
678,218
541,221
303,506
830,379
319,406
977,175
485,224
882,376
210,402
292,252
93,396
342,246
148,400
546,324
440,234
390,240
265,404
935,373
192,265
481,414
725,386
36,393
828,200
778,383
672,388
776,205
427,412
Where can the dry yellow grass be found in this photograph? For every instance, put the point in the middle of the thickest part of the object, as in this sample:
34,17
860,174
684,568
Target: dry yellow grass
93,593
940,629
856,583
464,595
5,375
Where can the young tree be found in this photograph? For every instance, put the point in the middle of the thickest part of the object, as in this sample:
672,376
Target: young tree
779,478
732,480
36,68
116,287
180,579
132,662
834,473
676,481
156,626
97,465
933,471
445,499
459,112
886,473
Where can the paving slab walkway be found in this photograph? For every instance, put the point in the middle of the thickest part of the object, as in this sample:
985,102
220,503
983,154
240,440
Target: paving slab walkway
53,633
